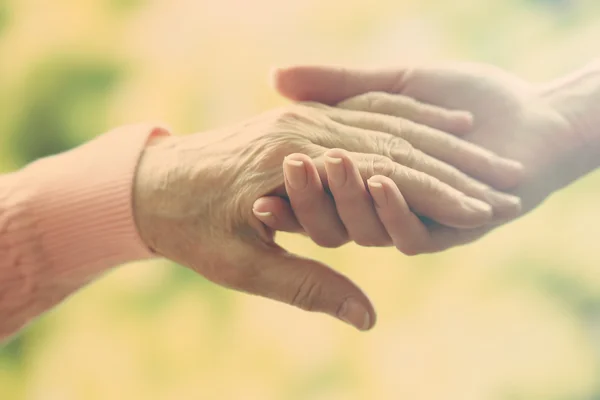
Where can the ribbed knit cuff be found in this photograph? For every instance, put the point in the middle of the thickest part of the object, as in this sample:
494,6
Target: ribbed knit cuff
83,204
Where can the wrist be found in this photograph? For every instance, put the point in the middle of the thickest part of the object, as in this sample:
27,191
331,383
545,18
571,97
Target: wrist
150,183
576,98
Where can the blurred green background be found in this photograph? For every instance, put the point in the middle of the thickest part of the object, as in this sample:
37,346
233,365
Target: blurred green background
514,316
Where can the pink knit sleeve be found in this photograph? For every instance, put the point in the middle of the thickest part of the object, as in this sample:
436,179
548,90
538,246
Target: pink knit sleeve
66,219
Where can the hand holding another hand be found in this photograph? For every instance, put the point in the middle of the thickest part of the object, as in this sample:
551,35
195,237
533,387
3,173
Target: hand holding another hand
537,126
193,195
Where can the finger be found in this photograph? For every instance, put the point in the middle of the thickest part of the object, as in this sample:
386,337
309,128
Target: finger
353,202
330,85
276,213
408,233
314,208
401,151
453,121
411,235
426,195
468,157
307,284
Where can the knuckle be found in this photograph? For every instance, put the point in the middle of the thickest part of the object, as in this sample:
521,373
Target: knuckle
308,292
296,115
269,151
291,113
406,154
381,165
372,100
390,145
416,134
301,121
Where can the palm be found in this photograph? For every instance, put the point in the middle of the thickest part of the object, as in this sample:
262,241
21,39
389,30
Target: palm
511,119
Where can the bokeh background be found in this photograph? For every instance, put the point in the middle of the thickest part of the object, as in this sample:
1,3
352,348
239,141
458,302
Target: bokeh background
514,316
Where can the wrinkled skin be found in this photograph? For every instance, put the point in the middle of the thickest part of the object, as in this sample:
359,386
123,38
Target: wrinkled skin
193,195
511,118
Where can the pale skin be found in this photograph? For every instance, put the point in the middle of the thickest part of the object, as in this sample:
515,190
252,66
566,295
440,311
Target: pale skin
193,194
553,130
195,197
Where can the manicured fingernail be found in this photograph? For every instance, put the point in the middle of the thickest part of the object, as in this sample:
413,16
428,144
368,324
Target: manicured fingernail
336,170
355,314
295,172
378,193
477,205
260,214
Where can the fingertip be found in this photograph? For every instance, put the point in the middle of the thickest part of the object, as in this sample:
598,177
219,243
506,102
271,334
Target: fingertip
357,314
264,209
479,213
510,173
261,207
298,157
276,213
273,77
506,206
462,122
336,153
377,192
292,82
263,215
277,81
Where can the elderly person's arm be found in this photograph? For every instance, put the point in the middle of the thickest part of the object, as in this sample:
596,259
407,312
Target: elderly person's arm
137,191
64,220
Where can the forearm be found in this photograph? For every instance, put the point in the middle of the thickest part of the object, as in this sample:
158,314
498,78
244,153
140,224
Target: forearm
64,220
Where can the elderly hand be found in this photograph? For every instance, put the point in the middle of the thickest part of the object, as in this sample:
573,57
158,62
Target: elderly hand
511,118
193,195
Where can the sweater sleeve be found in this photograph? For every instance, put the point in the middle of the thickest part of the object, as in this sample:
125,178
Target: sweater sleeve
66,219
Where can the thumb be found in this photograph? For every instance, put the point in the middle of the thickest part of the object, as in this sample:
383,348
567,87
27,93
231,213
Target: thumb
272,272
330,85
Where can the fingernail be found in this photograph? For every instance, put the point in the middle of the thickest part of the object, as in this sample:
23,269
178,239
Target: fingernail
336,171
260,214
502,199
378,193
477,205
295,173
355,314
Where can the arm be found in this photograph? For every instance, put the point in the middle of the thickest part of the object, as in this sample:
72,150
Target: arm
66,219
